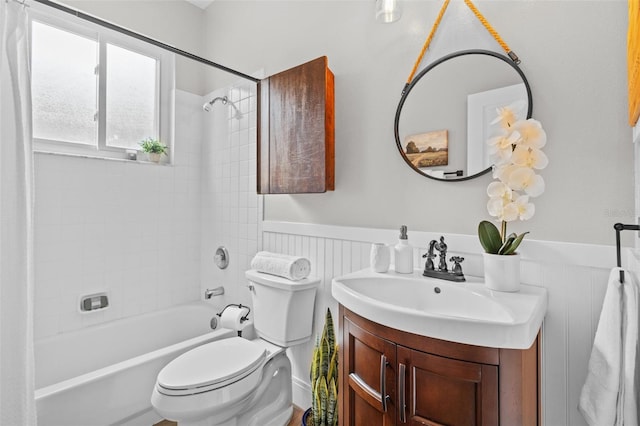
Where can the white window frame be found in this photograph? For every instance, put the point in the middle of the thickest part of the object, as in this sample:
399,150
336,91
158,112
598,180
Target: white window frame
165,80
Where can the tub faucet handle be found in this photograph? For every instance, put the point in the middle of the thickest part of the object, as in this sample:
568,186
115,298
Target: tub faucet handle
210,292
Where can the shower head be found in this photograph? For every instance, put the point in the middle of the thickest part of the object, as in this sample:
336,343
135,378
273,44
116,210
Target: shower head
208,106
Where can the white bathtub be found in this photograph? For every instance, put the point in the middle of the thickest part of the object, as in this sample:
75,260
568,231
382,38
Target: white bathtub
104,374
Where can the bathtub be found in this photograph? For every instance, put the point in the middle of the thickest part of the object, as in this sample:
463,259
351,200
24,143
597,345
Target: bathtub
104,374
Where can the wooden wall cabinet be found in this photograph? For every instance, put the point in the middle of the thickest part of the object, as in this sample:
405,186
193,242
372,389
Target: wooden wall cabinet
389,377
296,130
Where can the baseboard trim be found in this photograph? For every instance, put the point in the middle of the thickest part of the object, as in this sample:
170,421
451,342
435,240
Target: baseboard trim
301,393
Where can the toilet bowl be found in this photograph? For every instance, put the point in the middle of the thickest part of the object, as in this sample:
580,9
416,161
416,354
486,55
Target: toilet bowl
240,382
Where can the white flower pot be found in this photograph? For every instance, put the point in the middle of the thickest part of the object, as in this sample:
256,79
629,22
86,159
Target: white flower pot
380,257
502,273
154,156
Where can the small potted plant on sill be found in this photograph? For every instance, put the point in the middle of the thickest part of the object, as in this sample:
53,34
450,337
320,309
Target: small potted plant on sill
324,379
518,155
154,149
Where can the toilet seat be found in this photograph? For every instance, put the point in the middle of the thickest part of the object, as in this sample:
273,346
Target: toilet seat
210,367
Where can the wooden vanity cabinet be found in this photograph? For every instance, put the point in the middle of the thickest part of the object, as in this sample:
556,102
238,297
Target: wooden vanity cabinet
368,372
425,381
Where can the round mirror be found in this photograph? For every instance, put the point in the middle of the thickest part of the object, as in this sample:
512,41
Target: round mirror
446,114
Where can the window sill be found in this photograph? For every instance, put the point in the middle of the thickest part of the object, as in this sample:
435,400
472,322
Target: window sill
96,157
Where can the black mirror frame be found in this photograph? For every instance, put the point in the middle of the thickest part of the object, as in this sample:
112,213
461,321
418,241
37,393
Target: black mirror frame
421,74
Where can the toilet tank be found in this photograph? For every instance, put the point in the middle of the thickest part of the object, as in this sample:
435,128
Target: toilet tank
282,309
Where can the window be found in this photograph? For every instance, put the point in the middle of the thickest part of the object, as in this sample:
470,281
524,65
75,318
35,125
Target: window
95,91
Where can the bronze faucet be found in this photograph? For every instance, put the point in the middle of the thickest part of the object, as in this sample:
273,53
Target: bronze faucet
443,271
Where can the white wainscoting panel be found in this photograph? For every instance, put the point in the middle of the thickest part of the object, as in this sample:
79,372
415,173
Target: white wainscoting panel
575,276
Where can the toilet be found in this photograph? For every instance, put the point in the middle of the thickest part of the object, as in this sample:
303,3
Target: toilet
240,382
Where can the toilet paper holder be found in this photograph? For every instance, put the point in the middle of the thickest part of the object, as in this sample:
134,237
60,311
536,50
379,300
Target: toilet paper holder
244,318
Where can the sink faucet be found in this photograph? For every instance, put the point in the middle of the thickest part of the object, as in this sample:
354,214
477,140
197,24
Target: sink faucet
442,248
442,271
430,256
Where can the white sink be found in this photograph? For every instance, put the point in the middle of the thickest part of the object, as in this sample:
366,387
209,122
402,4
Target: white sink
459,312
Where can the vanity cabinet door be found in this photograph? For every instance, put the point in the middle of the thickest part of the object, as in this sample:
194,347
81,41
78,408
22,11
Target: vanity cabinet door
431,382
368,378
444,391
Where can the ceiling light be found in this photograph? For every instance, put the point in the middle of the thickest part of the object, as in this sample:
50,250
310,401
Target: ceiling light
388,11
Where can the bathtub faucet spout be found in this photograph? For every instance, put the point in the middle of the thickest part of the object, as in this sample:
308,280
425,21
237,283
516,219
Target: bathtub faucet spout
210,292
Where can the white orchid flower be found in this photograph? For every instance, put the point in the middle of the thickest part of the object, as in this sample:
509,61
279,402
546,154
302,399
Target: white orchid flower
509,213
495,206
503,171
506,117
526,210
502,209
525,179
499,190
501,147
529,157
516,153
532,135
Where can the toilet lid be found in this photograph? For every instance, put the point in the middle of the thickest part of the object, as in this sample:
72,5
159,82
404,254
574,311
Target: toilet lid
212,365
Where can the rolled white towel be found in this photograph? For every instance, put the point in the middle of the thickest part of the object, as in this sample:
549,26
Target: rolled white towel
291,267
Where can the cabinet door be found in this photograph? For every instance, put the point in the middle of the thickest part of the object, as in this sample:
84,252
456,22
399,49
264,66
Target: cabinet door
443,391
369,378
296,132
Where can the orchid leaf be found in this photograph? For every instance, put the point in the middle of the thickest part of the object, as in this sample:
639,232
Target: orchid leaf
489,237
514,245
507,244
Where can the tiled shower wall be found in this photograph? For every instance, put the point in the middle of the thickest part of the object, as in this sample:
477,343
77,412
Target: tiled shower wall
575,276
128,228
230,205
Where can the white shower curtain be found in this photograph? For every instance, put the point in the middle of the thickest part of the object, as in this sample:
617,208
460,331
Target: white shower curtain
17,403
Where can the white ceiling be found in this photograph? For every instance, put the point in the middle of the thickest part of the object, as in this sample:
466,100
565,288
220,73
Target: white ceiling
202,4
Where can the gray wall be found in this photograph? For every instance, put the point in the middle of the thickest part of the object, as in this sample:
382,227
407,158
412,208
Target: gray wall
573,54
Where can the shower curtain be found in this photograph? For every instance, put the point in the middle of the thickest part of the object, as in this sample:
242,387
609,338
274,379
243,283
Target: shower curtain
17,403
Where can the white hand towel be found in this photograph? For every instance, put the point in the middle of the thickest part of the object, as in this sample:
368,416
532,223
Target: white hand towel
609,395
631,355
291,267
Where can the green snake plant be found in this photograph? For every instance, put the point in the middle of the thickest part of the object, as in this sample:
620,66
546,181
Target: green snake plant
324,377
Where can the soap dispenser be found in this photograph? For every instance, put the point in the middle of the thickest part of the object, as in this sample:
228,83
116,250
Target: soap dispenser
403,253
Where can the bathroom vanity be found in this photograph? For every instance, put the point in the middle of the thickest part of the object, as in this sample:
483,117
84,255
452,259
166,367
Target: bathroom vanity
391,377
421,351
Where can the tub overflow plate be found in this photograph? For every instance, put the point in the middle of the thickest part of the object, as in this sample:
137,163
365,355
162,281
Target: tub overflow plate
222,257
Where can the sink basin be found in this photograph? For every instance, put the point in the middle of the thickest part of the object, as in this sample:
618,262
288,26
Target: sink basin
459,312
